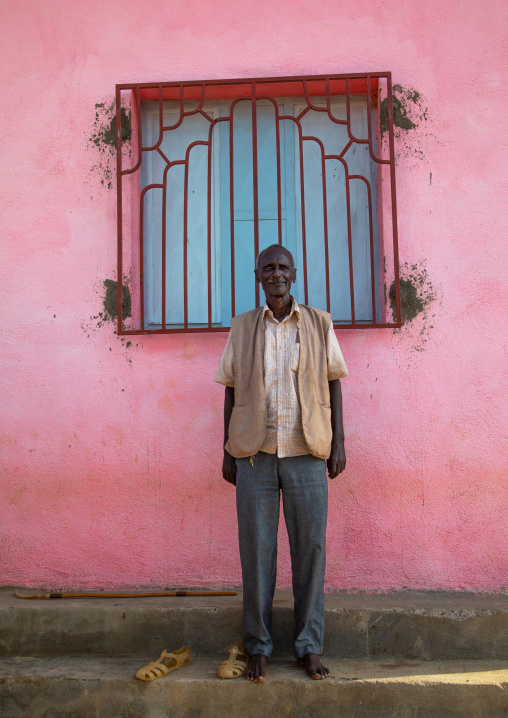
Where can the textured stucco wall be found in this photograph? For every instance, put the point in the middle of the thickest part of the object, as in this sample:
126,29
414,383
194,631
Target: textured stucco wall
111,453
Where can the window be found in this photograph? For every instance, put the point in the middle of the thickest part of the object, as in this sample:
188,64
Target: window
224,169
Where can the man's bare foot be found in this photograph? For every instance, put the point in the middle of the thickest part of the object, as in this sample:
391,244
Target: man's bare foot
256,670
313,666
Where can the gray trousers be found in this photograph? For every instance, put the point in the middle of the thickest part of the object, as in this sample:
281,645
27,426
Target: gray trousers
302,480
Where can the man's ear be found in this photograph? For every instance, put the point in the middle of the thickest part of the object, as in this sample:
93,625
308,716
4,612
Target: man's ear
293,275
257,277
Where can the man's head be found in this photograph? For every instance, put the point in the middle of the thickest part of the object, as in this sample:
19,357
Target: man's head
275,271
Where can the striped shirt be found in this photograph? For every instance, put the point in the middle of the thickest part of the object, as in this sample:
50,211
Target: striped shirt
284,432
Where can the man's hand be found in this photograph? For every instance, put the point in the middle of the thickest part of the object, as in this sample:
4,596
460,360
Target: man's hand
228,462
337,461
229,468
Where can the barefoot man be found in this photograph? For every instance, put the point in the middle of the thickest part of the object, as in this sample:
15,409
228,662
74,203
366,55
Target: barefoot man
282,367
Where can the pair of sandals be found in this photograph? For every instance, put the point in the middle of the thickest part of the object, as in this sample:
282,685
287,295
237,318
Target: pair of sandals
233,667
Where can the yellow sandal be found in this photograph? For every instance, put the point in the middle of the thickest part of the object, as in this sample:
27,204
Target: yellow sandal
236,664
166,663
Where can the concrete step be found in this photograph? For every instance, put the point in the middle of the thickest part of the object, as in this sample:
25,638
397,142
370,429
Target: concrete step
385,688
411,625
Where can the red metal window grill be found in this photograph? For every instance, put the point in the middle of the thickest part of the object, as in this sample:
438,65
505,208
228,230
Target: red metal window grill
186,249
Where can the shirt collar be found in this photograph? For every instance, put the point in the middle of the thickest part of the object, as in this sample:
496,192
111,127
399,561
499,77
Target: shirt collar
295,309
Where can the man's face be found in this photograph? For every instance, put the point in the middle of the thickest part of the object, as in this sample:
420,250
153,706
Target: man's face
275,273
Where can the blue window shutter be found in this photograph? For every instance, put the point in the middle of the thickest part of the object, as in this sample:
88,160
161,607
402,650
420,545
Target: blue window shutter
196,128
334,138
244,199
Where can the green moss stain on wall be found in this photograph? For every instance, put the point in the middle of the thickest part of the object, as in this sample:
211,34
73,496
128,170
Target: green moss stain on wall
410,113
107,135
104,127
410,303
103,139
417,297
94,326
409,109
111,302
416,292
108,300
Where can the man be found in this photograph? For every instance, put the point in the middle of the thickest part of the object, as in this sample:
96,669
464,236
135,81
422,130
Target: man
282,425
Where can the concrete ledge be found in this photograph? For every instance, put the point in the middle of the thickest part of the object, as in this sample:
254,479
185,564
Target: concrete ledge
106,688
412,625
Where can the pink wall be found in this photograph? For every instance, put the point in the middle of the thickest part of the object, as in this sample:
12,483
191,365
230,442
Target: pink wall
111,454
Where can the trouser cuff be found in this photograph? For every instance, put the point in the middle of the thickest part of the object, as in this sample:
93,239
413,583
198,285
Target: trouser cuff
301,652
262,650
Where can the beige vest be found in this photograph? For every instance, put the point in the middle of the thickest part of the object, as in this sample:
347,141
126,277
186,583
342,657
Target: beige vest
247,427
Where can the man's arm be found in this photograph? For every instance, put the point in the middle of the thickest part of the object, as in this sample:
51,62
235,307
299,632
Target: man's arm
337,461
228,463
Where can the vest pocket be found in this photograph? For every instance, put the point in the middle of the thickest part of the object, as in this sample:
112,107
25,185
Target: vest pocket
325,402
242,401
294,358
